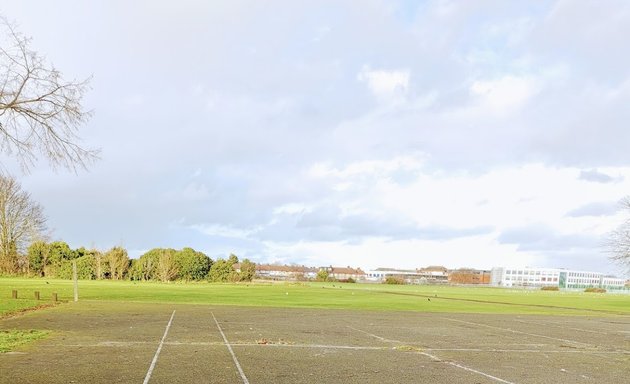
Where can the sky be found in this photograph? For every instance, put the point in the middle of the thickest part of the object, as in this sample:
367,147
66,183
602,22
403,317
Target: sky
349,133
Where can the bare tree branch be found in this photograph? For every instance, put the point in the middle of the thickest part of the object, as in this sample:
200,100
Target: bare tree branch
618,241
21,221
40,112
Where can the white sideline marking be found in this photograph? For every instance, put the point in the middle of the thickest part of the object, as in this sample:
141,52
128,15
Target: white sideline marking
438,359
519,332
375,336
560,326
227,344
466,368
157,353
587,352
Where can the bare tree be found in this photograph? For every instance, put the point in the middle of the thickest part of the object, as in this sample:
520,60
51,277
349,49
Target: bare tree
618,241
40,112
21,221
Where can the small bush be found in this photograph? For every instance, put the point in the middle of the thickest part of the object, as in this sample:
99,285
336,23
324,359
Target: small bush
595,290
348,280
394,280
550,288
322,275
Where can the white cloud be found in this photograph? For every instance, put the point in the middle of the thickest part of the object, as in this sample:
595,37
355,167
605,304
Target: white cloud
386,85
291,209
369,167
476,252
505,94
195,191
532,195
521,107
223,231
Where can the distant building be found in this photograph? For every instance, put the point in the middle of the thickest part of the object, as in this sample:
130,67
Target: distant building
285,272
562,278
379,275
469,276
345,273
428,275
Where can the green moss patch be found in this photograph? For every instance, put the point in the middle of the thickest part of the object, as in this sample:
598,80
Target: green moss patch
11,339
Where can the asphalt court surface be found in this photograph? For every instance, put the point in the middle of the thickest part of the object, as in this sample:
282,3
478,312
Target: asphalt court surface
94,342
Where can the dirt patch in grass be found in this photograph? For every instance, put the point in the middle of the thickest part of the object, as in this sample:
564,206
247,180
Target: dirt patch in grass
21,311
11,339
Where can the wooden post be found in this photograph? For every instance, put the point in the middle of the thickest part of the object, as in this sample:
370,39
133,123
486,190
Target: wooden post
76,283
54,296
14,294
36,295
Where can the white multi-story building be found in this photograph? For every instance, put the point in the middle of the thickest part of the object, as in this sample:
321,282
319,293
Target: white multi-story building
522,277
562,278
609,282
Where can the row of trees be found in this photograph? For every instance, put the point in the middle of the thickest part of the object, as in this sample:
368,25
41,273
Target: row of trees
55,259
22,222
167,264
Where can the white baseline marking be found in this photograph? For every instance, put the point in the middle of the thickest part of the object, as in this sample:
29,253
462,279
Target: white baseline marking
327,346
227,344
500,380
157,353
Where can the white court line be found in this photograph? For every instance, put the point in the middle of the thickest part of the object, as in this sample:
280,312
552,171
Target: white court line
227,344
519,332
438,359
543,351
328,346
314,346
560,326
374,336
157,353
500,380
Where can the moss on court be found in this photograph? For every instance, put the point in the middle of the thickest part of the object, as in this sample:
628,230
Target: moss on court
10,339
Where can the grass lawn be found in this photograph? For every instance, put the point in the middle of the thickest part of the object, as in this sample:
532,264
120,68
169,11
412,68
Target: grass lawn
322,295
9,306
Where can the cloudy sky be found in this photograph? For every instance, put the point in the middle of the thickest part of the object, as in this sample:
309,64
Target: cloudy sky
363,133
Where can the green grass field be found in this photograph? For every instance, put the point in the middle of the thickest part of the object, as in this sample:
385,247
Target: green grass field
321,295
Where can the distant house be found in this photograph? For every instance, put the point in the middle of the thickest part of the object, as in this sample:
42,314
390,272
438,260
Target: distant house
285,272
434,274
469,276
345,273
379,275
